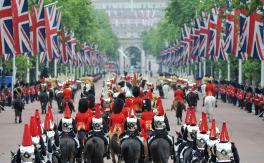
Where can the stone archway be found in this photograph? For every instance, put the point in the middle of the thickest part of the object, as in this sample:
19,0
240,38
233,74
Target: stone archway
134,55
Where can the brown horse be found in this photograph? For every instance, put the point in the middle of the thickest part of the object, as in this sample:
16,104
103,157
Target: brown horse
114,144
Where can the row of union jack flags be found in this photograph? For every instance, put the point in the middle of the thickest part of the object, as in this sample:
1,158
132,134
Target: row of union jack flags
211,37
38,31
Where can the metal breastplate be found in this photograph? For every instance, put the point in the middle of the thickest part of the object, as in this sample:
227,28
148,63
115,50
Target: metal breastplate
201,140
132,124
67,125
210,145
97,124
27,154
224,152
159,122
191,132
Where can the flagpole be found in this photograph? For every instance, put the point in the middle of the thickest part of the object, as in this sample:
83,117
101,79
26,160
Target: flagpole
66,71
14,74
228,70
55,67
240,71
262,74
27,70
37,67
204,67
200,69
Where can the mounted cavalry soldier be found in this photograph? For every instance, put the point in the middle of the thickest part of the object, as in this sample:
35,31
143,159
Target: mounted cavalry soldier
210,90
67,97
67,125
98,129
18,103
224,150
161,127
27,152
43,98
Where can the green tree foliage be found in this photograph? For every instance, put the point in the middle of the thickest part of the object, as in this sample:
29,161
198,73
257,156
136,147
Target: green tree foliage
155,39
21,66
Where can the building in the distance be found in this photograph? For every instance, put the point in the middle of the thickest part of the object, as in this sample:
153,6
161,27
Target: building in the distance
129,18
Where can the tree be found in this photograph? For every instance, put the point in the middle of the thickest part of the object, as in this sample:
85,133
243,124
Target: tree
21,66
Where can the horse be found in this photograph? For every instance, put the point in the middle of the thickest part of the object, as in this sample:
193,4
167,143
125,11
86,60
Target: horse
210,105
178,106
81,134
51,96
132,150
94,150
18,106
166,89
192,98
43,99
114,145
160,150
59,97
70,103
68,149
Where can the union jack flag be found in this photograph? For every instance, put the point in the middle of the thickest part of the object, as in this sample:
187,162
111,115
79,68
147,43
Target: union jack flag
196,42
243,35
50,12
215,33
6,28
71,43
204,36
21,26
255,47
63,38
37,28
232,31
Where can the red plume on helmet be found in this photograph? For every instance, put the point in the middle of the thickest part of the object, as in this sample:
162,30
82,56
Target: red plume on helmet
37,117
193,120
204,125
47,122
33,127
160,110
97,114
187,117
50,112
212,134
224,137
149,95
67,111
158,101
131,113
27,139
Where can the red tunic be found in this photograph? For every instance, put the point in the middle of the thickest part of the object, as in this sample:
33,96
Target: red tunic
210,89
249,97
146,121
9,92
27,91
179,94
117,121
67,94
83,121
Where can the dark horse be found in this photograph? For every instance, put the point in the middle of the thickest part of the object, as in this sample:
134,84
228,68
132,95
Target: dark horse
43,98
160,150
18,105
68,149
132,151
178,106
94,150
70,103
59,97
51,96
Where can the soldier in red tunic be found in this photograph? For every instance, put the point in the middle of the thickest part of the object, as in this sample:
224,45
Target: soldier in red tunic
209,90
249,100
117,119
2,98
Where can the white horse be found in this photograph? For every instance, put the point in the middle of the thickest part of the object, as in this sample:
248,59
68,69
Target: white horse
166,89
210,105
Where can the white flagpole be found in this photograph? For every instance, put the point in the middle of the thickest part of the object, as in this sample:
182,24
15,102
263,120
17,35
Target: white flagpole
204,67
37,67
27,70
262,74
240,71
200,69
228,70
55,67
14,74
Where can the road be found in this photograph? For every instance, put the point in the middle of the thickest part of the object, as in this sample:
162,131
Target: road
245,129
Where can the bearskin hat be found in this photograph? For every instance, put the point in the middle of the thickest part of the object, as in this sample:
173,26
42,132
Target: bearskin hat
249,89
146,105
122,96
83,105
121,84
118,105
136,91
91,101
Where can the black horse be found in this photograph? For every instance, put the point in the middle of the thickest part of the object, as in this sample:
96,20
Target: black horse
59,97
132,150
192,98
43,99
51,96
160,150
18,106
